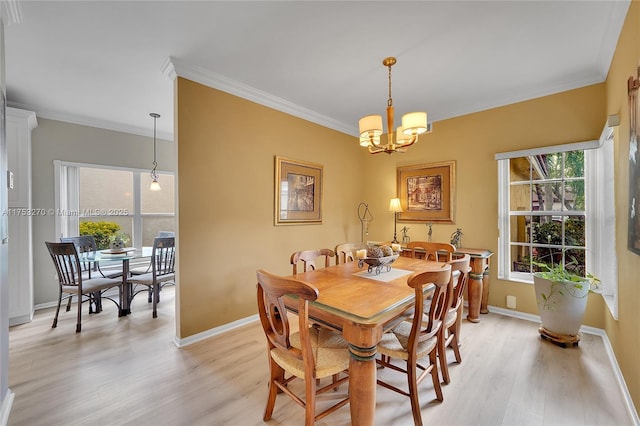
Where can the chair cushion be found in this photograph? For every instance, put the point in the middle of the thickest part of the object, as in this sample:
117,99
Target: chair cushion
94,284
147,279
395,343
330,352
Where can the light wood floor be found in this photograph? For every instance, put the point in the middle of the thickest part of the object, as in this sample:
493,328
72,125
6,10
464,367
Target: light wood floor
126,371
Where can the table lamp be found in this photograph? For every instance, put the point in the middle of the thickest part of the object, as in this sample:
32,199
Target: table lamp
395,207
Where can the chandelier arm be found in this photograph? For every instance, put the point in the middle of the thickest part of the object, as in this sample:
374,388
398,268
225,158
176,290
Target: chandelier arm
373,150
414,139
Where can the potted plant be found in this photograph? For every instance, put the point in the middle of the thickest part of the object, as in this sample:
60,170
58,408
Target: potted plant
561,295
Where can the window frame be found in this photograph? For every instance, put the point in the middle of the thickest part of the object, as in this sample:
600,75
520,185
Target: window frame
67,190
599,212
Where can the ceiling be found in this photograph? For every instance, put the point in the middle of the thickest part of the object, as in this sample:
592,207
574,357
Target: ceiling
109,64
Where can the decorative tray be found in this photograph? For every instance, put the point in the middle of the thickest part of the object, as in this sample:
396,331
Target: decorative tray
378,264
118,251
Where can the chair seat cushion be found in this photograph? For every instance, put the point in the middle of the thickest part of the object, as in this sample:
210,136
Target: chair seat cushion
330,351
94,284
395,343
147,279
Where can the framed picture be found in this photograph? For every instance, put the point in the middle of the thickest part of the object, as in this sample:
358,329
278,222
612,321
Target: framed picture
427,192
298,192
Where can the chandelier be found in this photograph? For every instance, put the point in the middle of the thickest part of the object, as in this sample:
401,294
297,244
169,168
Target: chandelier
413,124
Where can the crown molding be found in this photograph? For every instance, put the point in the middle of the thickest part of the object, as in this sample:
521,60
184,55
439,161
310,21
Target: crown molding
11,12
174,67
90,121
30,116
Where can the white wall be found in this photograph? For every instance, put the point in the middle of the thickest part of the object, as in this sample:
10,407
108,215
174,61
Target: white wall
56,140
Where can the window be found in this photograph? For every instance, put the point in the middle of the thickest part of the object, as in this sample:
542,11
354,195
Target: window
556,206
90,193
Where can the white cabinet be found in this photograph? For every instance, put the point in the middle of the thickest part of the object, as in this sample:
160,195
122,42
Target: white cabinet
20,123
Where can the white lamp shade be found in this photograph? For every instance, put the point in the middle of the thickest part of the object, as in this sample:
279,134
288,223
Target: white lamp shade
155,186
401,137
414,123
370,125
394,205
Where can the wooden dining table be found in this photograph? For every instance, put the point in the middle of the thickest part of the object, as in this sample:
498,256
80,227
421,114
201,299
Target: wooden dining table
362,305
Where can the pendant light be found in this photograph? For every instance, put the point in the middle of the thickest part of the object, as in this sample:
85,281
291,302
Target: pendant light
155,186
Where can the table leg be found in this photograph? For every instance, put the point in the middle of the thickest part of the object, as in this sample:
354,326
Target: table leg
362,385
474,296
125,290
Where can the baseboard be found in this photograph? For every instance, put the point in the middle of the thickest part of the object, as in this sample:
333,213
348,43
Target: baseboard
5,409
181,343
631,409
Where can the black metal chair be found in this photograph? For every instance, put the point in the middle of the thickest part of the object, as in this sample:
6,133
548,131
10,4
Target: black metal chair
163,258
86,244
69,269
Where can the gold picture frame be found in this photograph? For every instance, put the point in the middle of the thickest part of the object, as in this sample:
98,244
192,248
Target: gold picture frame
298,192
427,192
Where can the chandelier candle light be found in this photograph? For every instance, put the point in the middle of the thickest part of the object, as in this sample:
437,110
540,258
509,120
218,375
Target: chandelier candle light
155,186
413,124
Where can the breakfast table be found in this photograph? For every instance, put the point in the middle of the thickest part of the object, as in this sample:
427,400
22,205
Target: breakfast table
362,305
124,255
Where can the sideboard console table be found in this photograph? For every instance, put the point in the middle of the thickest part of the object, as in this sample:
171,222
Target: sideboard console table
478,287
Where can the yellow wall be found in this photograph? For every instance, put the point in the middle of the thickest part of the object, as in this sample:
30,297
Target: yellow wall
226,147
226,188
472,141
625,333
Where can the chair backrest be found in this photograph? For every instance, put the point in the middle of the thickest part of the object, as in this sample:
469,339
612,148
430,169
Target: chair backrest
163,234
346,252
273,315
432,251
65,259
85,244
421,330
163,256
308,259
461,264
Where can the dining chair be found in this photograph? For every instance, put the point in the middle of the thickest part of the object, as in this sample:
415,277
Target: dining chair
147,268
86,244
346,252
71,281
309,354
432,251
309,257
163,258
453,319
415,339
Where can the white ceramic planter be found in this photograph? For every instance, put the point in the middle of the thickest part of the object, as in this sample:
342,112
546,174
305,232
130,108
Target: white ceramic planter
563,305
